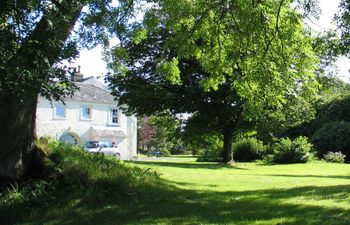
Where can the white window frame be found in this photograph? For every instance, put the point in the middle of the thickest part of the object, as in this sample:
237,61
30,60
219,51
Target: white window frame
110,117
82,112
57,117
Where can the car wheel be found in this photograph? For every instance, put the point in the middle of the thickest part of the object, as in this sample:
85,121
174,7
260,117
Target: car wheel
117,155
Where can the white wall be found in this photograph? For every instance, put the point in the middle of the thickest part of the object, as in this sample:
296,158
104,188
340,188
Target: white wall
48,125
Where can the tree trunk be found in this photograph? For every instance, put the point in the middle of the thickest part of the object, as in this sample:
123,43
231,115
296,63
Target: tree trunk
17,122
228,133
18,99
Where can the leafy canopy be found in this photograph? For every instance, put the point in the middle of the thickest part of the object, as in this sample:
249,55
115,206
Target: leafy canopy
257,52
36,36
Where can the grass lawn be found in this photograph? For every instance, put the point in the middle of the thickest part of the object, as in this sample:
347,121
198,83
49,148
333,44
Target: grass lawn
249,193
211,193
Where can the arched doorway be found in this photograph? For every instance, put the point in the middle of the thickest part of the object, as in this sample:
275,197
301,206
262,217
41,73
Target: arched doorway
69,138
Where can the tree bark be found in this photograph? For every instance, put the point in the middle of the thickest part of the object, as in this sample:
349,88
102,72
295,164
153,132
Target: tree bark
17,122
228,133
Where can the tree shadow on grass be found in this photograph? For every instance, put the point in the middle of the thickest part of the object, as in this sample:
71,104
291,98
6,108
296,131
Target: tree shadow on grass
189,184
166,204
192,165
185,156
306,176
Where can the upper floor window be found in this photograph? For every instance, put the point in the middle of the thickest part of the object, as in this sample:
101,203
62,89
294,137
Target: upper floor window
60,111
85,113
113,118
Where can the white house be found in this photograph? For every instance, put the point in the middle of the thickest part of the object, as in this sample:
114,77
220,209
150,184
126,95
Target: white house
90,115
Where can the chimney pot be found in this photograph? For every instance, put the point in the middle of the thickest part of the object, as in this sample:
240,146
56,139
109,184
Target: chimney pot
77,75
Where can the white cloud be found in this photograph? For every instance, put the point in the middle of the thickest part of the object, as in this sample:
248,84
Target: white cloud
91,62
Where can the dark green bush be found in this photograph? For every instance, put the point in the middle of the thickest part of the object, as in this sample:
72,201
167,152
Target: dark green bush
177,150
158,153
333,136
165,152
288,151
210,155
248,149
209,148
334,157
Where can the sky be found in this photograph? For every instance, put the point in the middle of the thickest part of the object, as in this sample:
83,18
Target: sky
92,64
328,9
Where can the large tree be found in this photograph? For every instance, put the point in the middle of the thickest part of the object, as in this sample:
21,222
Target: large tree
35,36
223,62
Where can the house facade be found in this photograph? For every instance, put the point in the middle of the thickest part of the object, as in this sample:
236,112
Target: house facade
90,115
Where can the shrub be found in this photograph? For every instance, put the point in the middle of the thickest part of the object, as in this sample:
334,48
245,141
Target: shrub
158,153
177,150
333,135
165,152
334,157
209,148
211,155
248,149
74,174
288,151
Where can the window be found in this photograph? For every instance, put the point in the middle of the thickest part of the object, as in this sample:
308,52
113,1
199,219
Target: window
113,118
85,113
60,112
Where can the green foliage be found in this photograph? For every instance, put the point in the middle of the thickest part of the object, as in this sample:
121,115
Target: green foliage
158,153
213,52
248,149
334,157
210,155
71,172
165,152
334,105
210,148
332,88
171,71
181,149
326,46
343,22
222,63
332,136
79,169
336,108
30,192
30,62
287,151
166,136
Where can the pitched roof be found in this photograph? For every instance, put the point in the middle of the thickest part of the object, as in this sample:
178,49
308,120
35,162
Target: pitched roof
92,90
93,81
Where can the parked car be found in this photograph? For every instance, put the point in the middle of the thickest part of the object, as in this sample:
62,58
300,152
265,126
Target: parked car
102,147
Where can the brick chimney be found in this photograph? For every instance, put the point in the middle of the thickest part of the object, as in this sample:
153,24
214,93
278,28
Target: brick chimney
77,74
